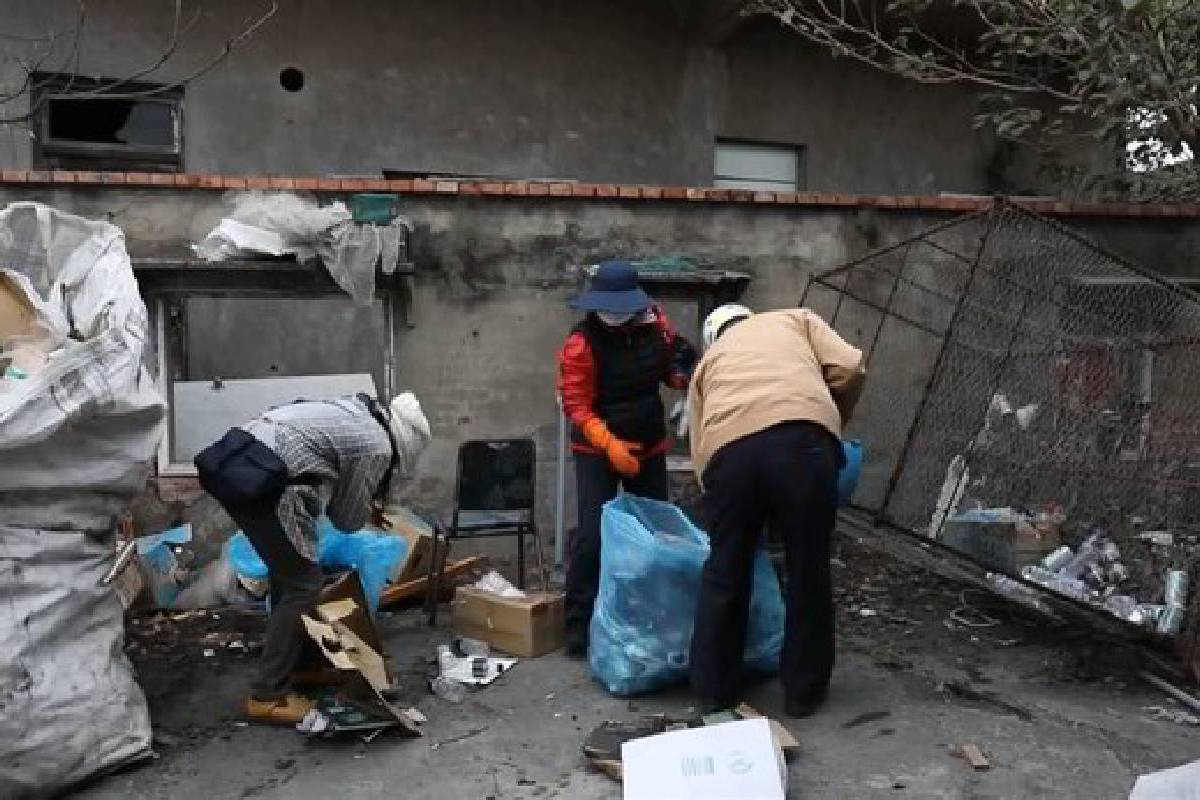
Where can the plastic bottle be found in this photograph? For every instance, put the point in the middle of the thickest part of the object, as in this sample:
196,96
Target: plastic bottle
1176,590
1058,559
1088,553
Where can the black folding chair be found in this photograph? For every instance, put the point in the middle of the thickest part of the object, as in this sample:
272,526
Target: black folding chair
493,496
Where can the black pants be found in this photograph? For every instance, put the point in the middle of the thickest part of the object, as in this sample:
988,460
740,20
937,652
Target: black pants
597,483
295,589
785,476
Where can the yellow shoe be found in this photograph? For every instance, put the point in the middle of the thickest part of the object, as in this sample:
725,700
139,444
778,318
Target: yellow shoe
287,710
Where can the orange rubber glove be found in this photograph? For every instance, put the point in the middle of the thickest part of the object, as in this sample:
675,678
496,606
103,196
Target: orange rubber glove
621,454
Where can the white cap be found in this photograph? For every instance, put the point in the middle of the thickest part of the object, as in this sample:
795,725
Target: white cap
411,431
719,318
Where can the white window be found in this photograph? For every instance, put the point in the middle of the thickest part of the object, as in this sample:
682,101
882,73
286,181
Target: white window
757,166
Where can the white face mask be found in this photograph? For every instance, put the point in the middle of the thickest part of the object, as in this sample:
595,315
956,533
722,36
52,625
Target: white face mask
614,320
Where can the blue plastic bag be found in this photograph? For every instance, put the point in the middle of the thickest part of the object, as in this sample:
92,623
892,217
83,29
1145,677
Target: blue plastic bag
374,556
849,473
245,558
650,563
158,560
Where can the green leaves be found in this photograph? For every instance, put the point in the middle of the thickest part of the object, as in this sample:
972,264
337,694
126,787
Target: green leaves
1051,72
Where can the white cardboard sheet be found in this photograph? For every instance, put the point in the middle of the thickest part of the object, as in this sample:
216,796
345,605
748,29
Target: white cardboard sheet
732,761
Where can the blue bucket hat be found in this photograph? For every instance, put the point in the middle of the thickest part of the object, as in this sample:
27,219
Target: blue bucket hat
614,288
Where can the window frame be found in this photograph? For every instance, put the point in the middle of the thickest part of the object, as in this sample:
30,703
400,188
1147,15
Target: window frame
799,151
57,153
167,283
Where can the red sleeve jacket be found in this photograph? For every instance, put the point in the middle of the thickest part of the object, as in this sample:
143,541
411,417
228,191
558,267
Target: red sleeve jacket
577,376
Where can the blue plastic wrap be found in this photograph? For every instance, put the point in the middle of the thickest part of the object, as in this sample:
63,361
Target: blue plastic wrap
850,471
373,555
641,631
245,558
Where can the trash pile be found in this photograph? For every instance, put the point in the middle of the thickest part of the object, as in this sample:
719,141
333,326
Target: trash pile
1137,575
493,613
1094,573
163,571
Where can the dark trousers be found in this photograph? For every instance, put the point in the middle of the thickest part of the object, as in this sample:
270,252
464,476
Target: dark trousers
295,589
597,483
785,476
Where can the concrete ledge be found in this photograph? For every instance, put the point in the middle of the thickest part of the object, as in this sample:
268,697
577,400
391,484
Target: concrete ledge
584,192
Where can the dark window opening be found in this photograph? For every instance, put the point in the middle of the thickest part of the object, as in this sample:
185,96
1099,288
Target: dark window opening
134,126
291,79
103,121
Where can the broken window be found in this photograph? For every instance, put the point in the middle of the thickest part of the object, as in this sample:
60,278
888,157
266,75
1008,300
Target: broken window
80,124
759,166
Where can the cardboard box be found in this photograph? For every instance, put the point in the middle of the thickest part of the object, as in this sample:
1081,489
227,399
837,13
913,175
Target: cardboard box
1002,546
342,631
419,535
17,316
527,626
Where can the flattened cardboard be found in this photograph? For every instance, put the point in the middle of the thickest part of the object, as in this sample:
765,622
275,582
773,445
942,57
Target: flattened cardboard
342,631
529,626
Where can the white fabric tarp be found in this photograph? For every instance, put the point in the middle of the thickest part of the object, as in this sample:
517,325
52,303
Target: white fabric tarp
76,441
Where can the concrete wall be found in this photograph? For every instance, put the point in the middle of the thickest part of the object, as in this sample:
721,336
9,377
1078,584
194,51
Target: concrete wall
617,91
494,275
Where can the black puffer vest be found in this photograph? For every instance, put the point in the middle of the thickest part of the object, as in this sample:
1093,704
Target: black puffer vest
631,362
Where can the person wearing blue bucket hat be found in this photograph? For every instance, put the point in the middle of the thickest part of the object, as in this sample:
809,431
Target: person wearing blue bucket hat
611,368
767,405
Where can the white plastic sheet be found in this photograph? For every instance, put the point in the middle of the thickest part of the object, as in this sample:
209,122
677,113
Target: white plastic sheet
76,442
281,223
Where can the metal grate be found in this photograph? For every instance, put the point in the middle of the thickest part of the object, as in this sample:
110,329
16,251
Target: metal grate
1005,311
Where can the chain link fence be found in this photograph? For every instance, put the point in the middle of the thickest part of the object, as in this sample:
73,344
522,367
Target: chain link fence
1015,365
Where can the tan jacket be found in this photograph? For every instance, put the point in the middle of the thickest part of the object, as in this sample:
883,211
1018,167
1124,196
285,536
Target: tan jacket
778,366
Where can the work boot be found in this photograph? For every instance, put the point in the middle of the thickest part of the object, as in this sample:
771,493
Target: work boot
287,710
806,705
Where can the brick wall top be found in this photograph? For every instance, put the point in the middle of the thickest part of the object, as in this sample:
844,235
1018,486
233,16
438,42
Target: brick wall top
562,189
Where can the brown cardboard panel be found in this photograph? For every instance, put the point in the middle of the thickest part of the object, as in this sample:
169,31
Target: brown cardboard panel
17,316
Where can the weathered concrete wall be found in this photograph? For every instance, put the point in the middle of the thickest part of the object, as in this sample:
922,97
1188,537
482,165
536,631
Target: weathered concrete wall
494,275
612,92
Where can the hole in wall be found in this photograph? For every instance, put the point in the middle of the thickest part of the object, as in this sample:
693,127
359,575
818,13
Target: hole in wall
291,79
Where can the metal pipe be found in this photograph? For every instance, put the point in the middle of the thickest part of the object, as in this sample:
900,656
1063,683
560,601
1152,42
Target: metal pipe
560,495
1178,694
935,373
887,307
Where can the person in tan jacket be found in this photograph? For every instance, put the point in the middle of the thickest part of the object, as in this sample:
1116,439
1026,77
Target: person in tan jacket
767,405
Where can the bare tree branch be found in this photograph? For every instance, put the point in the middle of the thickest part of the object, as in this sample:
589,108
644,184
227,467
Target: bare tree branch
109,89
1122,72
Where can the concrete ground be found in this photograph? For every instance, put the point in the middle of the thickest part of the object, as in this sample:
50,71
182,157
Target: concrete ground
927,667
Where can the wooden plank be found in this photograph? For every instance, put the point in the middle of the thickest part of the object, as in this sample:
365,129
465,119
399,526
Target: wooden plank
417,586
783,737
974,757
